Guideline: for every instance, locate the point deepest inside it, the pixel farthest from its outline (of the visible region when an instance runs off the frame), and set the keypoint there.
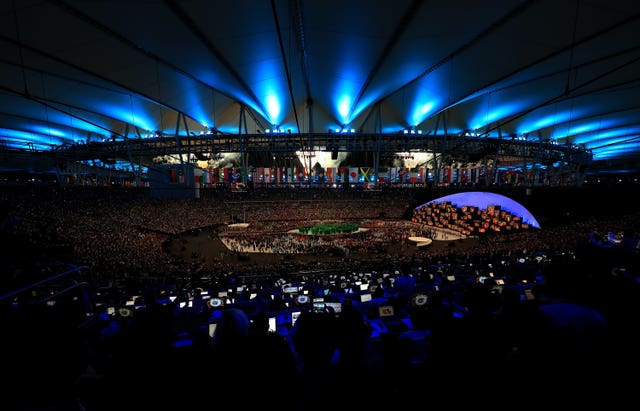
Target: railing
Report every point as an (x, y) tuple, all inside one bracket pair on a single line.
[(50, 290)]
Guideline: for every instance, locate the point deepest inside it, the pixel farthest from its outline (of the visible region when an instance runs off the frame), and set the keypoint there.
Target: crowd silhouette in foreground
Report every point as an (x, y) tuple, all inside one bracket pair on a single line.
[(542, 317)]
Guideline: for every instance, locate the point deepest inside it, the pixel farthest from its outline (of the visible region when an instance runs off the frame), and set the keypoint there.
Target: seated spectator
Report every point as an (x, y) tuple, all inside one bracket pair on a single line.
[(426, 315), (576, 346), (270, 351), (352, 336), (315, 341)]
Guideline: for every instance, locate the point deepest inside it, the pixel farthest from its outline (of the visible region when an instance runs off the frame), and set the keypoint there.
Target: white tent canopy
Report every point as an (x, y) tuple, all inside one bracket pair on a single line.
[(563, 71)]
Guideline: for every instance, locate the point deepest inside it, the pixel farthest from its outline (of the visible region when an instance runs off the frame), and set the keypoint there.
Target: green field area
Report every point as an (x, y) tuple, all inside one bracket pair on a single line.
[(327, 229)]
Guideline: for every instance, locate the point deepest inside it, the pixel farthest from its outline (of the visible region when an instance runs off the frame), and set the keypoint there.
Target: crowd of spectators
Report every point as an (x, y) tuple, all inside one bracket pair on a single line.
[(135, 323)]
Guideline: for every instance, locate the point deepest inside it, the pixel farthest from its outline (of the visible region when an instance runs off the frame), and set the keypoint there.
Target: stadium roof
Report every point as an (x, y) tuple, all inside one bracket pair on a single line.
[(564, 71)]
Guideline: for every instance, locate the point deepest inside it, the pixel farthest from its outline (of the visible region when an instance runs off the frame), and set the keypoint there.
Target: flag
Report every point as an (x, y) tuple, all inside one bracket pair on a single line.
[(235, 174), (331, 172), (393, 174), (341, 173), (210, 177), (301, 172), (446, 175), (403, 174), (383, 174), (353, 174), (464, 175), (414, 175), (364, 173)]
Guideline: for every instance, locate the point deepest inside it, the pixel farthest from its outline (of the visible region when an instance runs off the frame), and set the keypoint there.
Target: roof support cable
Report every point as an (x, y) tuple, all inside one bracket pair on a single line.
[(571, 50), (570, 71), (287, 72), (20, 51)]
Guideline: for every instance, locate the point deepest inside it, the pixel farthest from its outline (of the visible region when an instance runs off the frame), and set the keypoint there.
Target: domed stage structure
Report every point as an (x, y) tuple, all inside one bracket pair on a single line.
[(484, 200)]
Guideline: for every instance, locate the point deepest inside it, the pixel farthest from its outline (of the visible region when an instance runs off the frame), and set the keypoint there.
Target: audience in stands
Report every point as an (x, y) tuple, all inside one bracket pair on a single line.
[(524, 312)]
